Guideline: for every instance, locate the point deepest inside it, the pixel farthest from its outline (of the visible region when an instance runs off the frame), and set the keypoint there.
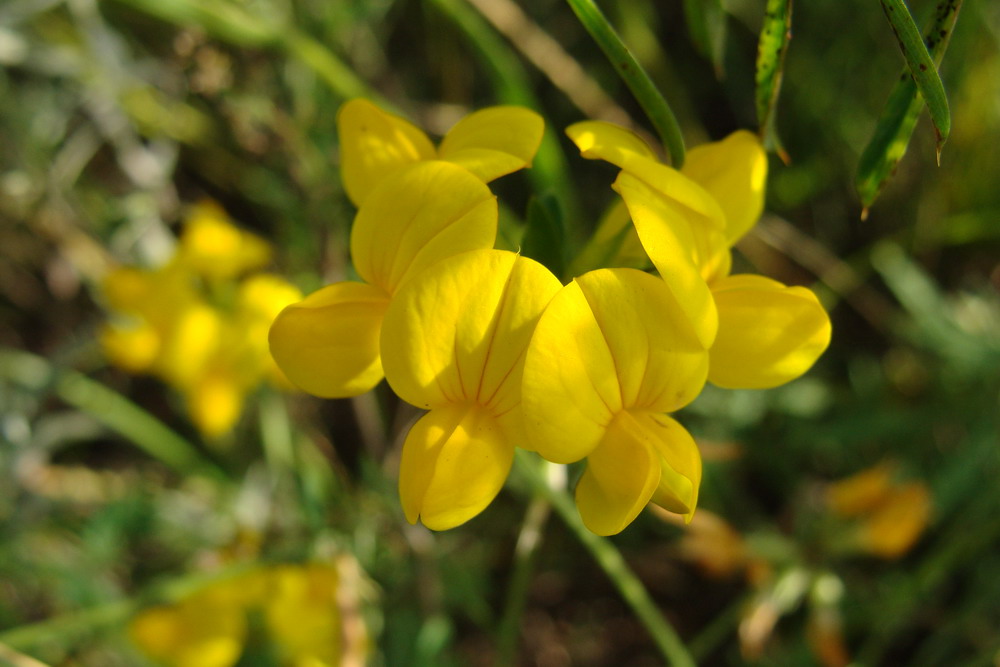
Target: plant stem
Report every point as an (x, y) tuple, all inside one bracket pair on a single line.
[(525, 554), (611, 561), (634, 76)]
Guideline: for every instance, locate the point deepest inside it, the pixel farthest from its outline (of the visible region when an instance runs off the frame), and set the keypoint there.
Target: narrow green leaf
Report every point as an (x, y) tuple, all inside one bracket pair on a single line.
[(706, 21), (922, 67), (895, 127), (775, 34), (109, 408), (634, 76), (544, 236)]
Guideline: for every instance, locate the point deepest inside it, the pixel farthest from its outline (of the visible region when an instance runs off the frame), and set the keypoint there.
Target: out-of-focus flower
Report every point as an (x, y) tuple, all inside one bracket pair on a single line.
[(200, 321), (611, 355), (453, 342), (888, 515), (759, 332), (489, 143), (304, 609), (715, 546), (328, 343)]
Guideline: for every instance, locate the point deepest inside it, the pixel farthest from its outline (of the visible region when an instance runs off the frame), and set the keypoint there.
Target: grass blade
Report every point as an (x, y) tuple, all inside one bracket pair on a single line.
[(895, 127), (922, 67), (771, 48), (634, 76)]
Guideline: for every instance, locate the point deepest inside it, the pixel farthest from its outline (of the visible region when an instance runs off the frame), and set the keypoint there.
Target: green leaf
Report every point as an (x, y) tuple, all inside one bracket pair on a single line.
[(706, 21), (545, 236), (771, 48), (922, 67), (895, 127)]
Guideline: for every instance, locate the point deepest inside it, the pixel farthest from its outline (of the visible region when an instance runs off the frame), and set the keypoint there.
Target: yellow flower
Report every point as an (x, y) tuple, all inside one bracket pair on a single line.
[(196, 322), (214, 248), (205, 630), (612, 353), (328, 343), (489, 143), (304, 610), (889, 516), (453, 342), (759, 332)]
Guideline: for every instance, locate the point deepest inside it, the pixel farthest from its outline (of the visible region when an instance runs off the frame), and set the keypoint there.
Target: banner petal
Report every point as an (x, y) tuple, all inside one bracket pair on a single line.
[(495, 141)]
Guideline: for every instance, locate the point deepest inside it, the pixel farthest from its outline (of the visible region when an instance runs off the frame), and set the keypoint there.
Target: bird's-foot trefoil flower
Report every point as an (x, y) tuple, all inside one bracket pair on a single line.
[(328, 343), (760, 333), (612, 354), (490, 143), (453, 342), (200, 321)]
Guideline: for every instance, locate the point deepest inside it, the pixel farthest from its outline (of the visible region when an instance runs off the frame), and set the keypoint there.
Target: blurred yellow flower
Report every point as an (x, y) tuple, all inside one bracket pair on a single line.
[(303, 610), (759, 333), (888, 515), (200, 322)]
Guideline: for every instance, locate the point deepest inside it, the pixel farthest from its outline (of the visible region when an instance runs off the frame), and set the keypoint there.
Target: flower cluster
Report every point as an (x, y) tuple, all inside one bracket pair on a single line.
[(502, 355), (200, 321), (301, 611)]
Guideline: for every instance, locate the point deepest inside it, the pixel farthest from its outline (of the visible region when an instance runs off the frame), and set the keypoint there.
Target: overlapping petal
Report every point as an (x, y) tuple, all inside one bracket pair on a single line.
[(643, 457), (421, 214), (493, 142), (599, 140), (455, 461), (734, 171), (613, 339), (328, 343), (673, 247), (373, 144), (457, 333), (769, 334)]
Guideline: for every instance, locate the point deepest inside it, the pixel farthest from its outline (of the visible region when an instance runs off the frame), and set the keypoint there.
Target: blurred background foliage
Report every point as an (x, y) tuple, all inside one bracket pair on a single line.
[(116, 115)]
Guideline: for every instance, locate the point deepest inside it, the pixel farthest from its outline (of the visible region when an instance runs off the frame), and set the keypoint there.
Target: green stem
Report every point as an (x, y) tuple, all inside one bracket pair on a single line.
[(634, 76), (611, 561), (110, 409), (525, 554)]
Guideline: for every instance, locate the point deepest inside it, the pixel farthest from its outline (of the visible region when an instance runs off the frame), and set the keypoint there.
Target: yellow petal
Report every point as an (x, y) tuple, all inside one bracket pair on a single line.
[(373, 144), (599, 140), (666, 234), (215, 402), (328, 343), (734, 171), (133, 346), (457, 332), (680, 464), (214, 247), (192, 341), (622, 474), (614, 339), (264, 295), (195, 633), (862, 491), (495, 141), (418, 216), (455, 460), (769, 334), (894, 526)]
